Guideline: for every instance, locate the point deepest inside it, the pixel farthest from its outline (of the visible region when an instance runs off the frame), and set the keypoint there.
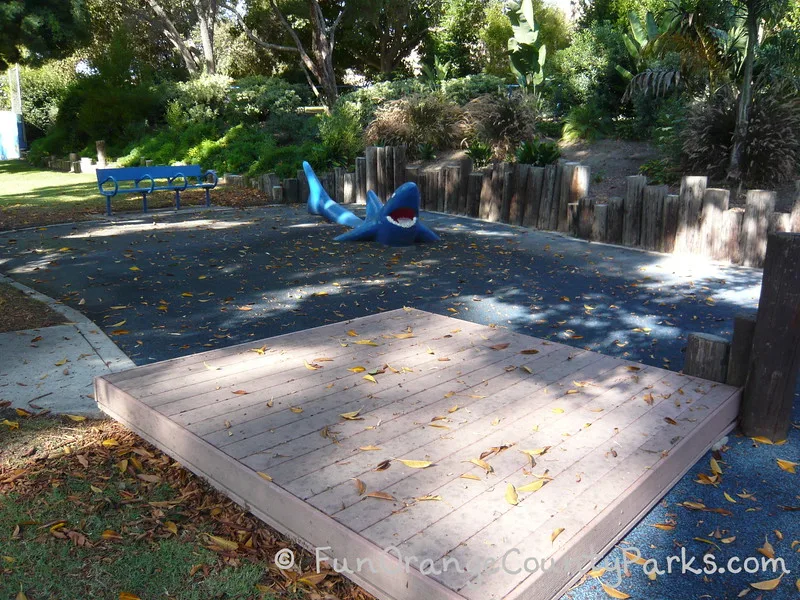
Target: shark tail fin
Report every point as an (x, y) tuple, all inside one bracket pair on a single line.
[(320, 203)]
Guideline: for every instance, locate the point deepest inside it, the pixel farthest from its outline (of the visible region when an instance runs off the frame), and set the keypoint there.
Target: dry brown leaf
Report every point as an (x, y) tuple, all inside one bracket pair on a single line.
[(511, 495), (296, 409), (415, 464), (767, 549), (767, 585), (613, 592), (380, 496), (128, 595), (171, 527), (670, 421), (664, 526), (360, 486), (597, 572), (502, 346), (223, 543), (382, 466), (715, 468), (530, 351)]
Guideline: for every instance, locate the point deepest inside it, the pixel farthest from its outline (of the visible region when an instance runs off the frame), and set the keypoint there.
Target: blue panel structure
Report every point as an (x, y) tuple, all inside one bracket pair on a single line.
[(9, 135)]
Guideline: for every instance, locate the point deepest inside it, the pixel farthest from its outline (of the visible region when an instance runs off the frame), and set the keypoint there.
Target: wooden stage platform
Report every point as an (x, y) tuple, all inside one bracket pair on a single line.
[(330, 414)]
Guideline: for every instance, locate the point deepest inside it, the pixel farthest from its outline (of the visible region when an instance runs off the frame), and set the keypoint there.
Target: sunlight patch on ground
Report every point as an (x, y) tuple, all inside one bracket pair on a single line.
[(140, 226)]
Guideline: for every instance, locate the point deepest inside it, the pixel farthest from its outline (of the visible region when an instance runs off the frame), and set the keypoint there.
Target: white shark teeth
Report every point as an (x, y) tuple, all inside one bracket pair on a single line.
[(402, 222)]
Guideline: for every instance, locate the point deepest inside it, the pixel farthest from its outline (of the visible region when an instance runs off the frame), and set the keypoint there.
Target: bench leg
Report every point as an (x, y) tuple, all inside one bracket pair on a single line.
[(208, 197), (144, 202), (108, 205), (177, 200)]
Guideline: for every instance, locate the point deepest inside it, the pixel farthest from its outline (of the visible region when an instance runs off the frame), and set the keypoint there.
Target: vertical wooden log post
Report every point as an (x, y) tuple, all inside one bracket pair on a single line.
[(715, 203), (399, 166), (564, 195), (653, 216), (509, 189), (728, 248), (495, 205), (533, 197), (753, 240), (380, 172), (548, 196), (412, 175), (780, 222), (466, 171), (277, 194), (371, 154), (691, 204), (517, 209), (291, 190), (585, 217), (670, 217), (361, 180), (486, 194), (474, 194), (338, 183), (632, 221), (579, 188), (744, 326), (615, 220), (100, 146), (452, 189), (707, 357), (303, 190), (349, 188), (770, 387), (572, 219), (441, 189), (599, 222), (796, 208)]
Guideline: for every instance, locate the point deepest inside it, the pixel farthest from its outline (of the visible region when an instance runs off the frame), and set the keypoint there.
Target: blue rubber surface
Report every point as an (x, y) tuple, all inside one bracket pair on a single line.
[(208, 280)]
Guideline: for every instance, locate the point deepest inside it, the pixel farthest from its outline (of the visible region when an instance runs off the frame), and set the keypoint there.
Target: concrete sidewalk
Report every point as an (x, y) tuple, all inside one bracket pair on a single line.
[(54, 368)]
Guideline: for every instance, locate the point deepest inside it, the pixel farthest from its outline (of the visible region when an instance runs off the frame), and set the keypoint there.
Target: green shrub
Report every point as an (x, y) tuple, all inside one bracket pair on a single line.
[(420, 119), (255, 99), (586, 123), (501, 121), (426, 151), (772, 147), (464, 89), (660, 170), (342, 134), (480, 153), (539, 153), (43, 88)]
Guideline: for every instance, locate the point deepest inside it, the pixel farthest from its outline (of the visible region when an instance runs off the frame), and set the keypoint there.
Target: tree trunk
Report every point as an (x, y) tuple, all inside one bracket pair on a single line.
[(207, 16), (175, 38), (745, 97)]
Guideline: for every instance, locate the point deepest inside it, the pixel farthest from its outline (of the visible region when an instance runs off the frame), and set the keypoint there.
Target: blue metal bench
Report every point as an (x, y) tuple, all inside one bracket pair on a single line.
[(146, 180)]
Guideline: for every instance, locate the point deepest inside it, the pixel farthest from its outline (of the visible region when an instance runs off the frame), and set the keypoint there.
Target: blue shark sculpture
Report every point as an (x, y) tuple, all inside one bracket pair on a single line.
[(395, 223)]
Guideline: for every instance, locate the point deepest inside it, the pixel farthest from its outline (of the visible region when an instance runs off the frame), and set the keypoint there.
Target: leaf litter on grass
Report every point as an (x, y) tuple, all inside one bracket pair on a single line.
[(94, 506)]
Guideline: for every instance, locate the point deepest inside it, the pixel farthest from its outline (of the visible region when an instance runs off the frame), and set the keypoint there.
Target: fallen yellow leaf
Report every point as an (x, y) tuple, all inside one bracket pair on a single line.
[(380, 496), (534, 486), (369, 448), (415, 464), (768, 585), (482, 464), (366, 343), (360, 486), (470, 476), (555, 534), (370, 378), (614, 593), (128, 596), (511, 495), (358, 369), (264, 476), (76, 418), (10, 424), (352, 416), (223, 543), (352, 333), (787, 465)]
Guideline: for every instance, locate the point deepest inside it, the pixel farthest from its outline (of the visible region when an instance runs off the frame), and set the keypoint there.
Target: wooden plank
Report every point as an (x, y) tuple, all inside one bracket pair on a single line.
[(753, 240), (632, 219), (533, 197), (269, 502), (361, 180), (496, 199), (691, 204)]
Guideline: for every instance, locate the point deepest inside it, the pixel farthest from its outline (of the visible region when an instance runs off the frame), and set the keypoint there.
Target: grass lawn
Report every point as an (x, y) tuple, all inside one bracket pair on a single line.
[(18, 311), (30, 196), (89, 510)]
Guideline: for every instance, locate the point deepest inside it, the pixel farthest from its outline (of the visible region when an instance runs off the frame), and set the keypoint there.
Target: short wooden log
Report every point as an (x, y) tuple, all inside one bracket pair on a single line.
[(495, 205), (361, 180), (303, 189), (551, 173), (585, 218), (338, 177), (277, 194), (744, 326), (371, 155), (653, 216), (349, 188), (441, 189), (388, 177), (581, 178), (770, 387), (599, 222), (780, 222), (572, 219), (400, 162), (412, 175), (707, 357), (509, 189), (632, 221), (615, 220), (564, 192), (291, 190), (466, 171), (796, 208), (727, 247), (693, 189), (474, 194), (452, 177), (533, 197), (670, 217), (715, 203), (486, 193), (517, 209), (753, 241), (380, 172)]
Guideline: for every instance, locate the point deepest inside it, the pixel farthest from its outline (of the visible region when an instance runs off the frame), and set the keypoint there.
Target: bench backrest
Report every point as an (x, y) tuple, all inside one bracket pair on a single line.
[(136, 173)]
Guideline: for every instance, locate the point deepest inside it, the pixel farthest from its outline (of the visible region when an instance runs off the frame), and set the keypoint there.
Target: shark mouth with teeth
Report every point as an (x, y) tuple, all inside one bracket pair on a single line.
[(402, 217)]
